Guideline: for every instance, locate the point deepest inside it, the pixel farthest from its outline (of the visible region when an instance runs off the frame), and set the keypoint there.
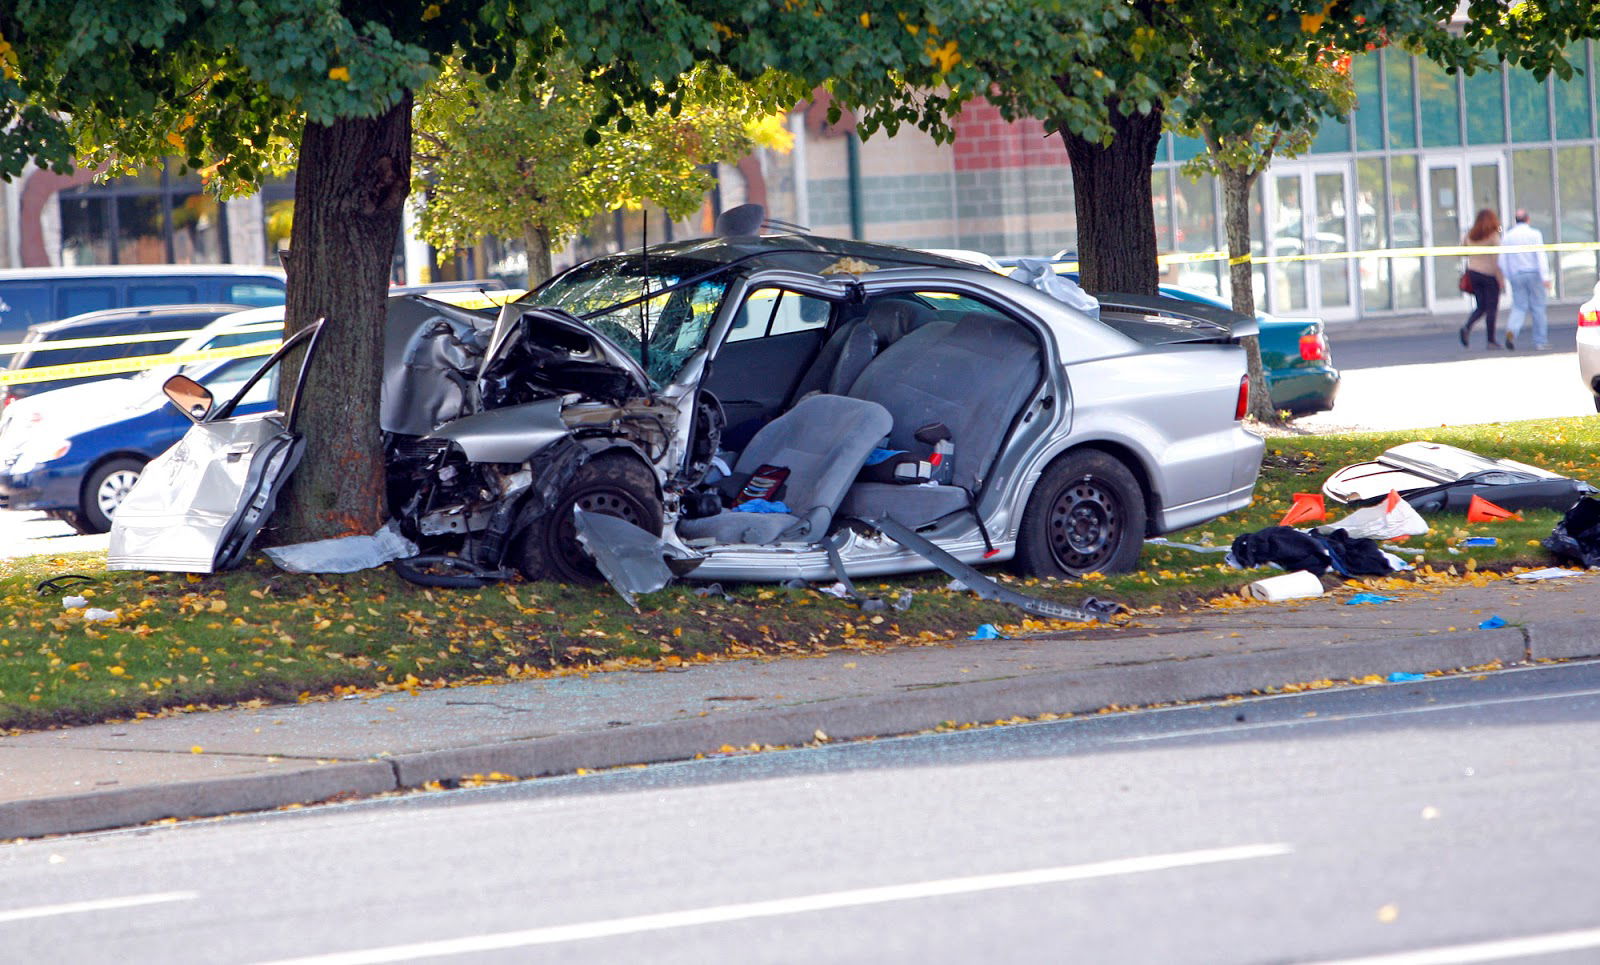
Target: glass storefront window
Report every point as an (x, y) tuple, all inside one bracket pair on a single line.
[(1161, 201), (1397, 96), (84, 233), (1288, 239), (197, 230), (141, 238), (1532, 188), (1368, 114), (1196, 203), (1440, 96), (1333, 134), (1486, 112), (1575, 175), (1333, 234), (1572, 97), (1405, 229), (1372, 227), (1530, 108)]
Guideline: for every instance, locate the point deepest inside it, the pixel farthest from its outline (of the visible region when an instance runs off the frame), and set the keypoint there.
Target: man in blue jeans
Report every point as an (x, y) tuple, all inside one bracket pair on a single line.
[(1527, 273)]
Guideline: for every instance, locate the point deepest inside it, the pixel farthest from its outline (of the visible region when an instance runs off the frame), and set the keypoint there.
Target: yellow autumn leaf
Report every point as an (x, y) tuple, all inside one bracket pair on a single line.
[(175, 140), (430, 12), (339, 73), (945, 58), (116, 671), (866, 20)]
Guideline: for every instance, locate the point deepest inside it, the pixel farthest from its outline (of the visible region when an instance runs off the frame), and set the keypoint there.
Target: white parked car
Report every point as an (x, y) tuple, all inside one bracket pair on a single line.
[(1589, 344)]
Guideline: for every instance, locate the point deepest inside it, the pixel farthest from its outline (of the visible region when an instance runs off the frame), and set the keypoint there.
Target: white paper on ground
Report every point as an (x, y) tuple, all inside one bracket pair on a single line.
[(1548, 573), (1374, 522), (1289, 586), (346, 554)]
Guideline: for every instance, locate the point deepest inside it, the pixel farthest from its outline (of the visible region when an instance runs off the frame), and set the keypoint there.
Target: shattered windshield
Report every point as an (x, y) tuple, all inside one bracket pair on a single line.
[(660, 332)]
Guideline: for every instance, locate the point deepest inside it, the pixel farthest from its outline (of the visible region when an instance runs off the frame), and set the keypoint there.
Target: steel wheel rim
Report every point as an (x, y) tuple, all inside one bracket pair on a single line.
[(1085, 524), (608, 502), (114, 489)]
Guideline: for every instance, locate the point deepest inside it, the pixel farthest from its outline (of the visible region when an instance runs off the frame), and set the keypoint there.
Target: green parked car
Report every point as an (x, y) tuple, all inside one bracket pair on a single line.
[(1294, 351)]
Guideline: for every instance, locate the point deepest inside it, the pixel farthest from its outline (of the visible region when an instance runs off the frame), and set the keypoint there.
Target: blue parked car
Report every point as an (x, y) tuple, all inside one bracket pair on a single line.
[(75, 452)]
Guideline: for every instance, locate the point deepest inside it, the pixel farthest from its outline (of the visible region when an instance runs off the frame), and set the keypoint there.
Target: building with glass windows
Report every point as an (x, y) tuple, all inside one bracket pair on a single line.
[(1421, 153)]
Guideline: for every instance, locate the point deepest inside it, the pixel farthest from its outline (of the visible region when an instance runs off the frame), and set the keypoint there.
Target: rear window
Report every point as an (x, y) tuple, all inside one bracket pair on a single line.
[(254, 293), (77, 299), (23, 305), (162, 295)]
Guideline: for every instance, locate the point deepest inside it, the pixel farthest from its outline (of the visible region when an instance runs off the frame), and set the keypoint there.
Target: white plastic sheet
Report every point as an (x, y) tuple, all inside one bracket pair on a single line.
[(347, 554), (1390, 519)]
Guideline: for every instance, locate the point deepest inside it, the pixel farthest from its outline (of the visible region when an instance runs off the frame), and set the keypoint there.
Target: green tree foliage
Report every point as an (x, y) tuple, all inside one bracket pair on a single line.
[(520, 161), (1321, 85), (239, 88)]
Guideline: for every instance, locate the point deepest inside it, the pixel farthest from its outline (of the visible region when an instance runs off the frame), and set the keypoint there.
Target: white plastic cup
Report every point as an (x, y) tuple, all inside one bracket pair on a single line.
[(1289, 586)]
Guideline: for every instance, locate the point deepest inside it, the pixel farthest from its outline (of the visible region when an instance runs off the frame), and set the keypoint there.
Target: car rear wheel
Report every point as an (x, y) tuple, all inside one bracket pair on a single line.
[(1086, 515), (104, 491), (614, 484)]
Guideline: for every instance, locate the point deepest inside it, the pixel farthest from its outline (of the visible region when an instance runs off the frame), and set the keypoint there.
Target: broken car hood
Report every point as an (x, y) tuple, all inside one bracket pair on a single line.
[(1434, 477)]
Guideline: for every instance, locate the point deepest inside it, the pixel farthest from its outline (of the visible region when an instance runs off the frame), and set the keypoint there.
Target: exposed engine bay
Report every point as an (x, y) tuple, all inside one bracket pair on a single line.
[(488, 422)]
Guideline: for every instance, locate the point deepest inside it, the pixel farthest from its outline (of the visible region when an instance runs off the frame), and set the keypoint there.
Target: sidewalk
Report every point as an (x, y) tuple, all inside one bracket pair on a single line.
[(113, 775)]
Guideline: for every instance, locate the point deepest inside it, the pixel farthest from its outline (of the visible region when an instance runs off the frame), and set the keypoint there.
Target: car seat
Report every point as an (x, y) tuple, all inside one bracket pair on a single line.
[(973, 375), (822, 443)]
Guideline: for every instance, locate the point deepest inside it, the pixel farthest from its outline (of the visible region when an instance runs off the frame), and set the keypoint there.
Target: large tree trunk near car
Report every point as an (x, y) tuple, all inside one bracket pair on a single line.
[(536, 242), (1111, 192), (1236, 184), (350, 188)]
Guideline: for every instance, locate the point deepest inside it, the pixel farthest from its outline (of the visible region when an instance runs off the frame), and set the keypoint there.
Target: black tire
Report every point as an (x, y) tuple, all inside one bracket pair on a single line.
[(72, 518), (1597, 403), (613, 483), (1086, 515), (103, 491)]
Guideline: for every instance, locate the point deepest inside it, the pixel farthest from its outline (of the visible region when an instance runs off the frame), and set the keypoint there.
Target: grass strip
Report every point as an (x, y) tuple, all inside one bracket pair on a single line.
[(257, 635)]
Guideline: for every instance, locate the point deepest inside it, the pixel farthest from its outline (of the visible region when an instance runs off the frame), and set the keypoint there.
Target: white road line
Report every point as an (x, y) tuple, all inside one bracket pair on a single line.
[(789, 906), (1340, 718), (99, 904), (1565, 941)]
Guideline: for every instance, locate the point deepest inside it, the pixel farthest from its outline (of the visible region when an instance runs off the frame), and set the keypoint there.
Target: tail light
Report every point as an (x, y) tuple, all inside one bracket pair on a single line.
[(6, 399), (1589, 318), (1242, 407), (1314, 347)]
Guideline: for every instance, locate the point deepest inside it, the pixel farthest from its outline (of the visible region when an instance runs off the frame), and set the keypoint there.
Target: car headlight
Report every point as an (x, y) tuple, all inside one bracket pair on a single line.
[(35, 453)]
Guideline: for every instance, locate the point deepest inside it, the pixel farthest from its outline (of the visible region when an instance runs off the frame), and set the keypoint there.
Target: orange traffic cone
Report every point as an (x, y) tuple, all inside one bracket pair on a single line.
[(1480, 510), (1307, 507)]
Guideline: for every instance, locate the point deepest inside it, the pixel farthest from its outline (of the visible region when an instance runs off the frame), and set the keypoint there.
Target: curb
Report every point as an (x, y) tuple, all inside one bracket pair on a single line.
[(883, 715)]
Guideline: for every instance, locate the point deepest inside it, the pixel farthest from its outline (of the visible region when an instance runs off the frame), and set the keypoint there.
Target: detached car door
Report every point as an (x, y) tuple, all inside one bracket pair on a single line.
[(197, 507)]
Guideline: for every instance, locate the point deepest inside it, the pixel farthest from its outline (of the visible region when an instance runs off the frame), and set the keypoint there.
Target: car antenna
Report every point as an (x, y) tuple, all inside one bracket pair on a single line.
[(644, 302)]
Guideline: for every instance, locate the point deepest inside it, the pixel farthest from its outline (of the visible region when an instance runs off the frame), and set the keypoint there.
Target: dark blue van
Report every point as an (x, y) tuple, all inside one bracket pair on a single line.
[(33, 296)]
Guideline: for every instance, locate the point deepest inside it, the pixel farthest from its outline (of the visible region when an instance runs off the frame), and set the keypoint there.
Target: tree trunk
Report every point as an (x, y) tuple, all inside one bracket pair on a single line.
[(1111, 191), (1236, 184), (350, 188), (536, 241)]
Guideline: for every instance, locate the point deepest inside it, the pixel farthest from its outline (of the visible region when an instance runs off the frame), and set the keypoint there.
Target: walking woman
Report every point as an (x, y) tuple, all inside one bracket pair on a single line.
[(1483, 271)]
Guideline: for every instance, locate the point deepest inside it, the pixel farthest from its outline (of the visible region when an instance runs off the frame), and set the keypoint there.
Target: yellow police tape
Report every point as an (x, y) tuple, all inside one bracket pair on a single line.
[(178, 336), (1454, 251), (77, 370)]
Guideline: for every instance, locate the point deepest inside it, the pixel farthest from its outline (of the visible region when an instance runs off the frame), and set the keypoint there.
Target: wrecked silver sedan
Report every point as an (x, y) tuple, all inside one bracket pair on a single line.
[(768, 407)]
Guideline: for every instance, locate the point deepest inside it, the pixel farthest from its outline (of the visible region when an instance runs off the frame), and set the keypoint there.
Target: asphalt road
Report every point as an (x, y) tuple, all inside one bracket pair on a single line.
[(1423, 380), (1353, 350), (1327, 826)]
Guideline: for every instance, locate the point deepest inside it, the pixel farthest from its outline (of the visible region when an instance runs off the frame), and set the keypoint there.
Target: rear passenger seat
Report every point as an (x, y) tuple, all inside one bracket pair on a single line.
[(974, 375), (856, 343)]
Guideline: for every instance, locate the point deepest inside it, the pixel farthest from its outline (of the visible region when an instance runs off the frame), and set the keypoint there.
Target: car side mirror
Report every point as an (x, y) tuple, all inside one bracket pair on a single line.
[(192, 399)]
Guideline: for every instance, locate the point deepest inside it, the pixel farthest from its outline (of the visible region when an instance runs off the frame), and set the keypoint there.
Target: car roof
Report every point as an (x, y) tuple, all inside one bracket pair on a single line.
[(794, 251), (123, 314), (137, 271)]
